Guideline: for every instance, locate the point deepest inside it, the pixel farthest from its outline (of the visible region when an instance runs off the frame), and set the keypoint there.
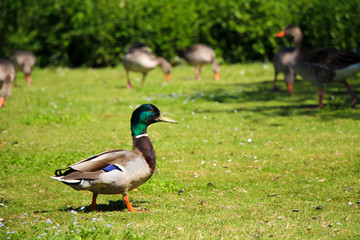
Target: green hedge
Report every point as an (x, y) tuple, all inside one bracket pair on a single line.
[(97, 32)]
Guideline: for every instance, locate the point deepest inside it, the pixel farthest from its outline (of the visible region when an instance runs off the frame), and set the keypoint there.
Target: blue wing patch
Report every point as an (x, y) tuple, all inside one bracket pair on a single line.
[(110, 167)]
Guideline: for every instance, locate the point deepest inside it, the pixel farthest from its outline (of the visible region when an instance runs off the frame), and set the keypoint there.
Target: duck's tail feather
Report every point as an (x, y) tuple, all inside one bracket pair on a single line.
[(67, 181)]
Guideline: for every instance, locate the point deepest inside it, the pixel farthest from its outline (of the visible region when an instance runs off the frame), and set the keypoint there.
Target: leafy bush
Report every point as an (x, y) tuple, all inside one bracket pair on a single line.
[(96, 33)]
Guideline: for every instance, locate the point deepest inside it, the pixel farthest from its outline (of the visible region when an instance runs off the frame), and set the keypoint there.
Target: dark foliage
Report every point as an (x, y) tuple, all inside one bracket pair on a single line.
[(96, 32)]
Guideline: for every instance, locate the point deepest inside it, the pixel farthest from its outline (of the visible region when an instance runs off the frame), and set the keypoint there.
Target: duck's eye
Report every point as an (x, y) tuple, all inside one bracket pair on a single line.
[(151, 110)]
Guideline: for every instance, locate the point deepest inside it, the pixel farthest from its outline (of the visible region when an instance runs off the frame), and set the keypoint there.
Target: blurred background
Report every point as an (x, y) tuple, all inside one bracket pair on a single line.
[(95, 33)]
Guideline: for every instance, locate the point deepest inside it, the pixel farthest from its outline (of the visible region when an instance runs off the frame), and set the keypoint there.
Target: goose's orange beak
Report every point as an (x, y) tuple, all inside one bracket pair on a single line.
[(168, 77), (280, 34), (2, 101), (217, 76)]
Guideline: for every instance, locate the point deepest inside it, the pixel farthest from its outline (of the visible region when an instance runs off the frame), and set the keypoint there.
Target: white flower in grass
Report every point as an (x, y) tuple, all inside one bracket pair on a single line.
[(49, 221)]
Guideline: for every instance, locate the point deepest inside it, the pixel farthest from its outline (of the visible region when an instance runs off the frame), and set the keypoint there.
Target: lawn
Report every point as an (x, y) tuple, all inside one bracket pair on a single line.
[(243, 163)]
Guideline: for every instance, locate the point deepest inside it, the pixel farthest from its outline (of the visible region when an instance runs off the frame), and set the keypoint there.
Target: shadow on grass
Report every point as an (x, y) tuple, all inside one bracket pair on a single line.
[(113, 206), (337, 99)]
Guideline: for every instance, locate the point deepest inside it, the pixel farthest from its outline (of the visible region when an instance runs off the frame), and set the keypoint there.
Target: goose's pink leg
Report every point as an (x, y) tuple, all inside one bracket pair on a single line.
[(352, 94)]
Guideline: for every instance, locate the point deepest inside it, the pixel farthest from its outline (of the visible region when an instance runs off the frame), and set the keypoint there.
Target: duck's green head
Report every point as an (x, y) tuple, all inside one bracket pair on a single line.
[(145, 115)]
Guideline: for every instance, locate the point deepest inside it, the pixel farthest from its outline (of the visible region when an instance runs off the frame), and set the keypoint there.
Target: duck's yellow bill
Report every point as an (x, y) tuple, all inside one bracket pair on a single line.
[(163, 118)]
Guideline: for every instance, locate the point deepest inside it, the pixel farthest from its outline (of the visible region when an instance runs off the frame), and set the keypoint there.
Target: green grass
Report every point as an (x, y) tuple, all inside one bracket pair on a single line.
[(295, 180)]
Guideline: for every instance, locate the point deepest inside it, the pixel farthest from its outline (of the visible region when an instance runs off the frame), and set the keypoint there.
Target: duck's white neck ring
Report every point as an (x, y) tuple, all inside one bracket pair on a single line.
[(141, 135)]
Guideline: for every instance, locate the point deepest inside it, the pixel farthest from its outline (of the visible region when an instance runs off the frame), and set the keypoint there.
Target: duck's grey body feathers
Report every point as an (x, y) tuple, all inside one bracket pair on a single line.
[(130, 170)]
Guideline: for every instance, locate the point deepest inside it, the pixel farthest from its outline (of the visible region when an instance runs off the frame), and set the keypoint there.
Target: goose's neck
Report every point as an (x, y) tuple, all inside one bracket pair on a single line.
[(215, 65), (165, 65), (143, 144), (297, 45), (161, 61)]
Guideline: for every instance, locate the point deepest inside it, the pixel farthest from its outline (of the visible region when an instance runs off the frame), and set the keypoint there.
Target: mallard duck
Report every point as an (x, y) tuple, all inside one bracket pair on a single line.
[(7, 76), (198, 56), (118, 171), (24, 61), (281, 62), (139, 59), (322, 65)]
